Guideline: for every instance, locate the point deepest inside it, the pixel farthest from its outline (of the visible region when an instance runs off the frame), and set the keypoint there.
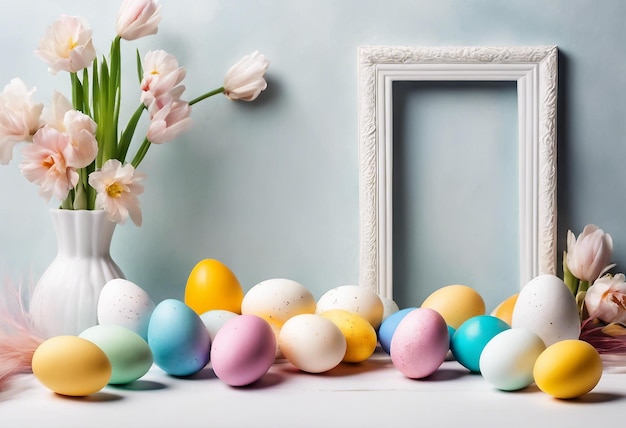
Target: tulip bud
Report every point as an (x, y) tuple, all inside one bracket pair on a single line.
[(245, 80), (589, 255), (138, 18)]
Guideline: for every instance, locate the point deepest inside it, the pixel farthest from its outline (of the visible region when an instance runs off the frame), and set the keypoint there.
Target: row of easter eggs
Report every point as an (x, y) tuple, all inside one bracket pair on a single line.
[(531, 337), (242, 334)]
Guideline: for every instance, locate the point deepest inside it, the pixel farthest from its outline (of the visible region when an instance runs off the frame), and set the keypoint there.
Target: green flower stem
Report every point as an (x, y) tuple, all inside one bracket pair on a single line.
[(80, 198), (207, 95), (143, 150), (141, 153), (569, 279), (67, 204), (583, 286)]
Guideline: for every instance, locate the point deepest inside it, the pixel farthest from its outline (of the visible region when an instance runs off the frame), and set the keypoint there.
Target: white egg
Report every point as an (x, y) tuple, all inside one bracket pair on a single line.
[(124, 303), (277, 300), (214, 320), (312, 343), (390, 307), (507, 361), (546, 307), (353, 298)]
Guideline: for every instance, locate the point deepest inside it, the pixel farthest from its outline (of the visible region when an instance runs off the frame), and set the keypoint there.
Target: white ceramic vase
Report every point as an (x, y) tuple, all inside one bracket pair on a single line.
[(65, 299)]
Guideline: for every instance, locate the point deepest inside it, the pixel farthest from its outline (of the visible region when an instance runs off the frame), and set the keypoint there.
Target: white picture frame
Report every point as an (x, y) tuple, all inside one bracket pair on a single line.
[(533, 68)]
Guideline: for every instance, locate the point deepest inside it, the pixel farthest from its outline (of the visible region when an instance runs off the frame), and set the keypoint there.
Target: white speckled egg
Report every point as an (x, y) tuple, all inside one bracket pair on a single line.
[(124, 303), (353, 298), (276, 300), (546, 307)]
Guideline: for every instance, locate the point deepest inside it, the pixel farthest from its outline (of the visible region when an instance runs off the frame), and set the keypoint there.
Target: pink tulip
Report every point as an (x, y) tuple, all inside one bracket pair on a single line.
[(590, 255), (606, 299), (45, 164), (67, 45), (81, 129), (161, 77), (245, 80), (19, 117), (138, 18), (117, 189), (83, 146), (169, 121)]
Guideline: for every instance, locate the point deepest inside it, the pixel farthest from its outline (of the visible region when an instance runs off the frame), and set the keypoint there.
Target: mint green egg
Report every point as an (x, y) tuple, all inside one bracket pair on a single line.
[(128, 352)]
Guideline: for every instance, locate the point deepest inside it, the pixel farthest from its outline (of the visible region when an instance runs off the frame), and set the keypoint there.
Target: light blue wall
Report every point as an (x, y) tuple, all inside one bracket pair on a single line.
[(271, 188)]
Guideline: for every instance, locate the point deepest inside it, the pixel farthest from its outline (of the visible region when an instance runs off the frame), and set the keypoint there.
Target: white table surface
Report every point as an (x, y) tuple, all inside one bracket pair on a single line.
[(368, 394)]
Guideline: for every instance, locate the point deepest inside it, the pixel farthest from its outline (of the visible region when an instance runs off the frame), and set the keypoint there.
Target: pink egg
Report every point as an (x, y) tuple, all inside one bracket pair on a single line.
[(243, 350), (420, 343)]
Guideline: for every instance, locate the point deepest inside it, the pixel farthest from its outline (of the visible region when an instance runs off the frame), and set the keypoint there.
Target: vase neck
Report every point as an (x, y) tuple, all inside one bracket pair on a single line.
[(82, 233)]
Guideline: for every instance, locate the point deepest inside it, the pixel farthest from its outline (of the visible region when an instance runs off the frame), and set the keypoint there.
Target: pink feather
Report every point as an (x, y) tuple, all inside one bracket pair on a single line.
[(609, 341), (18, 337)]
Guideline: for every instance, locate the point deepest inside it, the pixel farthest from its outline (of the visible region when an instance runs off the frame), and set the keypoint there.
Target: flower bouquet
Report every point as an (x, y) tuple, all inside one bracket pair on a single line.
[(79, 150), (601, 296)]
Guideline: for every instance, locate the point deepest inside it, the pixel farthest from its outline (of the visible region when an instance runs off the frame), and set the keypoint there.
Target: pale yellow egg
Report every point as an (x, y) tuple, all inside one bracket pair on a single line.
[(504, 310), (71, 365), (456, 303), (360, 336)]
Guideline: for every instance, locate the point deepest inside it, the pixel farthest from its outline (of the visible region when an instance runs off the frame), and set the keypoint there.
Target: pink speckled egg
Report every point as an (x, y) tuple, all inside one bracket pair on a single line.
[(420, 343), (243, 350)]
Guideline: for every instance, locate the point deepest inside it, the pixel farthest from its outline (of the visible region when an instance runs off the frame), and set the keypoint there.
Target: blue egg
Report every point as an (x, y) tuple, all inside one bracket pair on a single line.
[(178, 338), (470, 339), (388, 327)]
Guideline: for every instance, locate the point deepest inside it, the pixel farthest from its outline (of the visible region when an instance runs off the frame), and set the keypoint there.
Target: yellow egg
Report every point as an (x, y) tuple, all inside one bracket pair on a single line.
[(212, 285), (504, 310), (456, 304), (568, 369), (71, 365), (360, 336)]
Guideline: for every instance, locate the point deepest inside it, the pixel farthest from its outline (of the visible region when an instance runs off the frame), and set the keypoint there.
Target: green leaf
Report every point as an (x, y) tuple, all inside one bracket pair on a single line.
[(77, 92), (116, 62), (139, 67), (86, 100), (95, 93), (128, 133)]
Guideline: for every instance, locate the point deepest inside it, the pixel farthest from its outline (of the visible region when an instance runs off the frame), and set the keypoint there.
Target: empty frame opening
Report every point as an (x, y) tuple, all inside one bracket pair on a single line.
[(455, 188)]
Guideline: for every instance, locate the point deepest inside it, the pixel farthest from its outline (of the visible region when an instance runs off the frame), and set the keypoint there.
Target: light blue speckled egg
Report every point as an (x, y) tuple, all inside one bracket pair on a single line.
[(178, 338)]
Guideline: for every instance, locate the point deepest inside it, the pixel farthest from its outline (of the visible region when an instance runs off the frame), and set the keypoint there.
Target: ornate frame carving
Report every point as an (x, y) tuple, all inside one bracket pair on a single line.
[(534, 68)]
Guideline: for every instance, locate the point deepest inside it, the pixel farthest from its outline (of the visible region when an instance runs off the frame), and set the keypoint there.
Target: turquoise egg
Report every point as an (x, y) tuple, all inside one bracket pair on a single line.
[(388, 327), (178, 338), (129, 354), (470, 339)]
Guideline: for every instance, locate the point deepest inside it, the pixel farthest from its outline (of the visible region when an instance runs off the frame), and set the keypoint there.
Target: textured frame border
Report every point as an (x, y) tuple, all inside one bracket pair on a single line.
[(534, 68)]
